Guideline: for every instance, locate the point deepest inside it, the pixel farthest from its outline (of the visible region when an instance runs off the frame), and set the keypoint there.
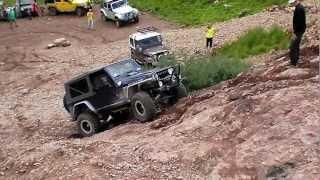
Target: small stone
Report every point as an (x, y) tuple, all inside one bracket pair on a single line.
[(49, 46), (24, 91), (59, 41), (100, 164)]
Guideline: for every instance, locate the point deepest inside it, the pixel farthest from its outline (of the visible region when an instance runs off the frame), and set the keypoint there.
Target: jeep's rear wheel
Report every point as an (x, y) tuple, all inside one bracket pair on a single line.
[(143, 107), (79, 12), (88, 124), (52, 11)]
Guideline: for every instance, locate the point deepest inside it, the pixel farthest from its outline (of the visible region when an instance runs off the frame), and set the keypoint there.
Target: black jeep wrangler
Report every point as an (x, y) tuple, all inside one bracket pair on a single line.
[(119, 89)]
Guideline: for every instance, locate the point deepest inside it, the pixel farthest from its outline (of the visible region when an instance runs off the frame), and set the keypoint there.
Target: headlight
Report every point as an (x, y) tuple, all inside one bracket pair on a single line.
[(160, 83), (119, 83), (170, 71)]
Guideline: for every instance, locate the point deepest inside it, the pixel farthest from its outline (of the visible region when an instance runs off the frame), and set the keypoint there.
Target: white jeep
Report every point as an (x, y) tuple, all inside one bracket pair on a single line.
[(118, 11)]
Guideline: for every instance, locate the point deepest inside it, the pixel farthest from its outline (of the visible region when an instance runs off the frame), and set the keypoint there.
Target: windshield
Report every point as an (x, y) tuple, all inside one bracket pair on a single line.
[(123, 69), (149, 42), (117, 4)]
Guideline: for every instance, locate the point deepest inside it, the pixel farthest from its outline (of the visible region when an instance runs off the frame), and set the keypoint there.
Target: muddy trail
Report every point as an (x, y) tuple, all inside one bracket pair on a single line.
[(262, 124)]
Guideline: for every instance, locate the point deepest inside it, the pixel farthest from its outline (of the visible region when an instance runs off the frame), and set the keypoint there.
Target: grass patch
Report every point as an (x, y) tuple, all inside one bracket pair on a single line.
[(256, 41), (205, 71), (202, 72), (195, 12)]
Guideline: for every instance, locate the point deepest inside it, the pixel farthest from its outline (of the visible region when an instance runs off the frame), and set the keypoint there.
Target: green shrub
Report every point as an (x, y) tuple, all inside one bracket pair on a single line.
[(201, 72), (194, 12)]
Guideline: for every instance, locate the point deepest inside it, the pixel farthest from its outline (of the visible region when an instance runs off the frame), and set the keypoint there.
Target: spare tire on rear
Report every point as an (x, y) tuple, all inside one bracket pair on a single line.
[(143, 107)]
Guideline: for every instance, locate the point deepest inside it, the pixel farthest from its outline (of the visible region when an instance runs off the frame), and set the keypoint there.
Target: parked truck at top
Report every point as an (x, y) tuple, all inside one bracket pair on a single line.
[(119, 89), (118, 11), (27, 8), (80, 7)]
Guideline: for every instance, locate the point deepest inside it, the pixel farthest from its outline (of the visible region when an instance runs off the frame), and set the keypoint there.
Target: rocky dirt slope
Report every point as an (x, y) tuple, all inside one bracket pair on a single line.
[(263, 123)]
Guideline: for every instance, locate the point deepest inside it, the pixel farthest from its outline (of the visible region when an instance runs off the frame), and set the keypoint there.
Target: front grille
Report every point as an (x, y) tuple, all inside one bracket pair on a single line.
[(163, 74)]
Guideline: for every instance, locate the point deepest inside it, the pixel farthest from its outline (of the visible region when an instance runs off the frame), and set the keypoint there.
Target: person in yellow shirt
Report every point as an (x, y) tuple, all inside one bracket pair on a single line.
[(209, 35), (90, 19)]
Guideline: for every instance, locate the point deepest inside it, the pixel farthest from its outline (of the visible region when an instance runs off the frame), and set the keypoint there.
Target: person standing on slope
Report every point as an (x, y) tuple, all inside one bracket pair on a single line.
[(299, 27), (209, 36)]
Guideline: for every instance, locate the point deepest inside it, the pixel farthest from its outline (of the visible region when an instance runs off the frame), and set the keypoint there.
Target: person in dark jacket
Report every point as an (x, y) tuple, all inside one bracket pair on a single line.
[(299, 27)]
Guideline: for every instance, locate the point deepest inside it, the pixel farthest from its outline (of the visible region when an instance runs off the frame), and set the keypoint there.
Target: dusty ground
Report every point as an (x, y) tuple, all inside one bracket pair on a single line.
[(262, 124)]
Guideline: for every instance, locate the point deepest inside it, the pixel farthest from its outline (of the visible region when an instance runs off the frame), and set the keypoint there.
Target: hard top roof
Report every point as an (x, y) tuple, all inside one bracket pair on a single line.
[(139, 35), (111, 1), (84, 75)]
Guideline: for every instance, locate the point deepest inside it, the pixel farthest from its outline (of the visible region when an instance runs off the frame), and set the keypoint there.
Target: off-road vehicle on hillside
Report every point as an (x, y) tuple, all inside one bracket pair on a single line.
[(118, 11), (80, 7), (146, 46), (116, 90)]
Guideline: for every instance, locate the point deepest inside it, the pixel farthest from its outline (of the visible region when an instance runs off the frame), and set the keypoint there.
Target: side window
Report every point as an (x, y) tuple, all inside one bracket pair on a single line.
[(58, 0), (79, 88), (109, 6), (105, 5), (100, 80)]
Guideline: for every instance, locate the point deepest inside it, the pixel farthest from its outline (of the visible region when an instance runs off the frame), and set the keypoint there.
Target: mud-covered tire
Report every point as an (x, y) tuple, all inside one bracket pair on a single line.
[(80, 11), (53, 11), (181, 91), (88, 124), (143, 107)]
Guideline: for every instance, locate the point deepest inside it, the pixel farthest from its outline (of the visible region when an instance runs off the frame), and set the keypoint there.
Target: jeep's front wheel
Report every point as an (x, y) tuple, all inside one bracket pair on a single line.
[(88, 124), (143, 107)]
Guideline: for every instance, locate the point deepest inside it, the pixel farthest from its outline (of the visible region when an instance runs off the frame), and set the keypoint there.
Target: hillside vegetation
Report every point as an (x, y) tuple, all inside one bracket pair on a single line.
[(204, 71), (194, 12)]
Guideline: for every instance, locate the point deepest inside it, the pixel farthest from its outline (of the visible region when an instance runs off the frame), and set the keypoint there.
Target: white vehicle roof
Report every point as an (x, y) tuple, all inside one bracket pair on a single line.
[(139, 36)]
